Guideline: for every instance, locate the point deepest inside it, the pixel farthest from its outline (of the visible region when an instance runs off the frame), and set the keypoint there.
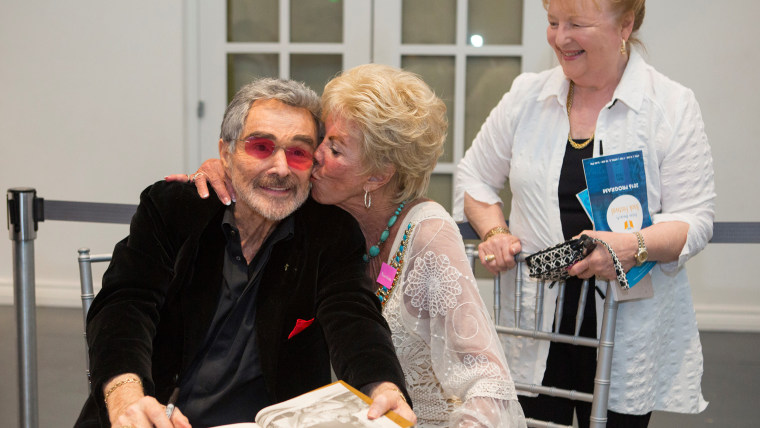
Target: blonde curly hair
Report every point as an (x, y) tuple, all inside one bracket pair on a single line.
[(400, 121)]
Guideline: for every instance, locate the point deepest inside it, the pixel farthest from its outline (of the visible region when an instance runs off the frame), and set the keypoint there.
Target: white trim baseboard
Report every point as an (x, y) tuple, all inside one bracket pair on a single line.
[(47, 293), (734, 318), (728, 318)]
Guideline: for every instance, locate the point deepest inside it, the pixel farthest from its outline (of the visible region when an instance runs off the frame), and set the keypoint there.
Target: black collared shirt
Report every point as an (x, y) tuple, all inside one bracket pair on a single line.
[(225, 383)]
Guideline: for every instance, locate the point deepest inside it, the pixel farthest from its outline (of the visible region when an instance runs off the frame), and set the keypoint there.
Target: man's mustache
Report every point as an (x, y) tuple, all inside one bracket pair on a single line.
[(275, 182)]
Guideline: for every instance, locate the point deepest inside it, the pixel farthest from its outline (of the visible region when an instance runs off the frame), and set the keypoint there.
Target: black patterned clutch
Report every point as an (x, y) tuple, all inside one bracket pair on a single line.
[(551, 263)]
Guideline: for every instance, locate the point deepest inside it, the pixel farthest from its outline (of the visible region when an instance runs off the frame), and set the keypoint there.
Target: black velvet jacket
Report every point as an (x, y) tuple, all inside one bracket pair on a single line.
[(161, 290)]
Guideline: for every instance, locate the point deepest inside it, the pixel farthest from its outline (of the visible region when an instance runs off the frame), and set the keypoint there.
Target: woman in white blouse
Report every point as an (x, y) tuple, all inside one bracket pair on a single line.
[(384, 132), (602, 99)]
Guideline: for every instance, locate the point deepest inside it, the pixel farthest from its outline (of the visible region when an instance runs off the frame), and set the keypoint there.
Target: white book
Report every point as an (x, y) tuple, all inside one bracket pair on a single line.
[(337, 405)]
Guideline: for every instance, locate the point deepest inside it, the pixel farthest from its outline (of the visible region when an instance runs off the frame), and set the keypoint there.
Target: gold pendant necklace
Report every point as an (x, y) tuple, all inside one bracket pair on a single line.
[(573, 144)]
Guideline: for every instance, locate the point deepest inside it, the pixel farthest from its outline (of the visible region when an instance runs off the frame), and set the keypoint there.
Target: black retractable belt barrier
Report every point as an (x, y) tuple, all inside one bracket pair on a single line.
[(25, 211), (22, 227)]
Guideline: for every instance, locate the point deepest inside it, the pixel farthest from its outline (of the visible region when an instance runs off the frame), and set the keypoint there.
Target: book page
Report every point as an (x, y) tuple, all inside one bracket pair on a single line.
[(240, 425), (334, 406)]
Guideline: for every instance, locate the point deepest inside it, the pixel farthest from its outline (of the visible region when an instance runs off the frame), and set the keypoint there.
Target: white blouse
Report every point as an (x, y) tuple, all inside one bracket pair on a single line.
[(657, 363), (455, 369)]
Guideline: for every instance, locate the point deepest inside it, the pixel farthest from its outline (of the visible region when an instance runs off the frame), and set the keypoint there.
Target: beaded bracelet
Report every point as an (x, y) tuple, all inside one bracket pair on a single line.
[(120, 383), (495, 231)]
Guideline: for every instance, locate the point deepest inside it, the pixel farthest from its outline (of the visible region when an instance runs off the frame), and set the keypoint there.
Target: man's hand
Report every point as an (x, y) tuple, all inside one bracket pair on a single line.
[(146, 412), (387, 396), (128, 406)]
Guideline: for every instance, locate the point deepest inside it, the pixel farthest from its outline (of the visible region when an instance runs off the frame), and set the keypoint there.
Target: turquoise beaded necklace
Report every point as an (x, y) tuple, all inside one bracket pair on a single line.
[(397, 262), (375, 249)]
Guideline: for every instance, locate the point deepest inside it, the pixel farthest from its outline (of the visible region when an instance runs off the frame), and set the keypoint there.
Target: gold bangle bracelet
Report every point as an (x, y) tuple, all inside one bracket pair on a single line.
[(495, 231), (120, 383)]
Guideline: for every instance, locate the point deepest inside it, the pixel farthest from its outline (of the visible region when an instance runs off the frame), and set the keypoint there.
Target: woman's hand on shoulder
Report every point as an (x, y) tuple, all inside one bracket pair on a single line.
[(599, 262), (497, 253), (211, 171)]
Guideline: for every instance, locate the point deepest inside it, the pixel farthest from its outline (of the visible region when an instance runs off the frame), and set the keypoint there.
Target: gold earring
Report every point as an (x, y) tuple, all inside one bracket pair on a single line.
[(623, 50)]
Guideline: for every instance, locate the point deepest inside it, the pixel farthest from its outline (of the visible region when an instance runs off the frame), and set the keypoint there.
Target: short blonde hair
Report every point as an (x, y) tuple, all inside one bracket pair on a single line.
[(621, 7), (399, 119)]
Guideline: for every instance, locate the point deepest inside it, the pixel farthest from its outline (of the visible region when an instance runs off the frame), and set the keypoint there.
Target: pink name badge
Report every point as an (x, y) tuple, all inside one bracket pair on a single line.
[(386, 276)]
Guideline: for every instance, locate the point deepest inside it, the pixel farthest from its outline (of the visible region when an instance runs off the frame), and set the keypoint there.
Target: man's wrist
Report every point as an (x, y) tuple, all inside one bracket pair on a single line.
[(120, 382)]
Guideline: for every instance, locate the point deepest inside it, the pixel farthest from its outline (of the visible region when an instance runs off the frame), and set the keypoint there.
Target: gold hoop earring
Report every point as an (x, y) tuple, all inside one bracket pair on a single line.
[(623, 50), (367, 199)]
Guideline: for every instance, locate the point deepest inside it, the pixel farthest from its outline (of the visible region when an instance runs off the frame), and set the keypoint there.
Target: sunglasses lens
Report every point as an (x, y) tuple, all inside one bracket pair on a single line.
[(261, 148), (299, 158)]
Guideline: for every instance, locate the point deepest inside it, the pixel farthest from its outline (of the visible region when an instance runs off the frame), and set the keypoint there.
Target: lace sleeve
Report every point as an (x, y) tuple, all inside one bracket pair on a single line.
[(442, 305)]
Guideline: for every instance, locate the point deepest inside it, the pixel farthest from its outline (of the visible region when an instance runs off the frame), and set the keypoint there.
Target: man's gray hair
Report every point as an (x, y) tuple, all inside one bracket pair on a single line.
[(289, 92)]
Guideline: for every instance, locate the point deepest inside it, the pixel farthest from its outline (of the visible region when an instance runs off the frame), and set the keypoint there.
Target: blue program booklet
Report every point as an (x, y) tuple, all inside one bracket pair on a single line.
[(616, 198)]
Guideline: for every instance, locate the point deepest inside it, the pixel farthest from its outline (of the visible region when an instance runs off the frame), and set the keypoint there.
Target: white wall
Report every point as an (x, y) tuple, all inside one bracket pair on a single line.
[(710, 46), (91, 109), (92, 101)]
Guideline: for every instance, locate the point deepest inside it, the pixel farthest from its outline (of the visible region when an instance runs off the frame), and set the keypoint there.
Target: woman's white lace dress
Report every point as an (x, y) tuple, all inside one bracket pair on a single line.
[(455, 368)]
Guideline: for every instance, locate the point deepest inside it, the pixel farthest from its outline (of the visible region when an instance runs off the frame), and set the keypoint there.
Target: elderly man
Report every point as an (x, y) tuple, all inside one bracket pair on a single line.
[(241, 306)]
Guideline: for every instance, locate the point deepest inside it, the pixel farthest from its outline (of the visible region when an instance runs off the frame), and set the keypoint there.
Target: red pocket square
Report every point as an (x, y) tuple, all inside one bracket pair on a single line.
[(300, 326)]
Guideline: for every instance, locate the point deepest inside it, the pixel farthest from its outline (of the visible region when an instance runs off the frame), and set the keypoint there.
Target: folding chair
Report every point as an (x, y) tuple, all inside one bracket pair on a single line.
[(604, 344), (85, 260)]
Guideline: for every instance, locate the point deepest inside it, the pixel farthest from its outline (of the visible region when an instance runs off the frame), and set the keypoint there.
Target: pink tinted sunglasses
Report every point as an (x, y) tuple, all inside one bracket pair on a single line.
[(297, 157)]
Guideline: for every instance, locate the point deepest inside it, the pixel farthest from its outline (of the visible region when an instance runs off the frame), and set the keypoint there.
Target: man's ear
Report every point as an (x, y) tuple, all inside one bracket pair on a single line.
[(224, 153), (379, 178)]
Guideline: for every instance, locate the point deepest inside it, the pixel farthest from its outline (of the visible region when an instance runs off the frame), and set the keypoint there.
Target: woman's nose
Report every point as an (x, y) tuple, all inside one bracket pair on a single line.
[(560, 35)]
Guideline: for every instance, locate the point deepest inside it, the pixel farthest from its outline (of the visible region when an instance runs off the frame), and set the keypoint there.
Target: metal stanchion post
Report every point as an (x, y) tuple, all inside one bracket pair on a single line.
[(22, 226)]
